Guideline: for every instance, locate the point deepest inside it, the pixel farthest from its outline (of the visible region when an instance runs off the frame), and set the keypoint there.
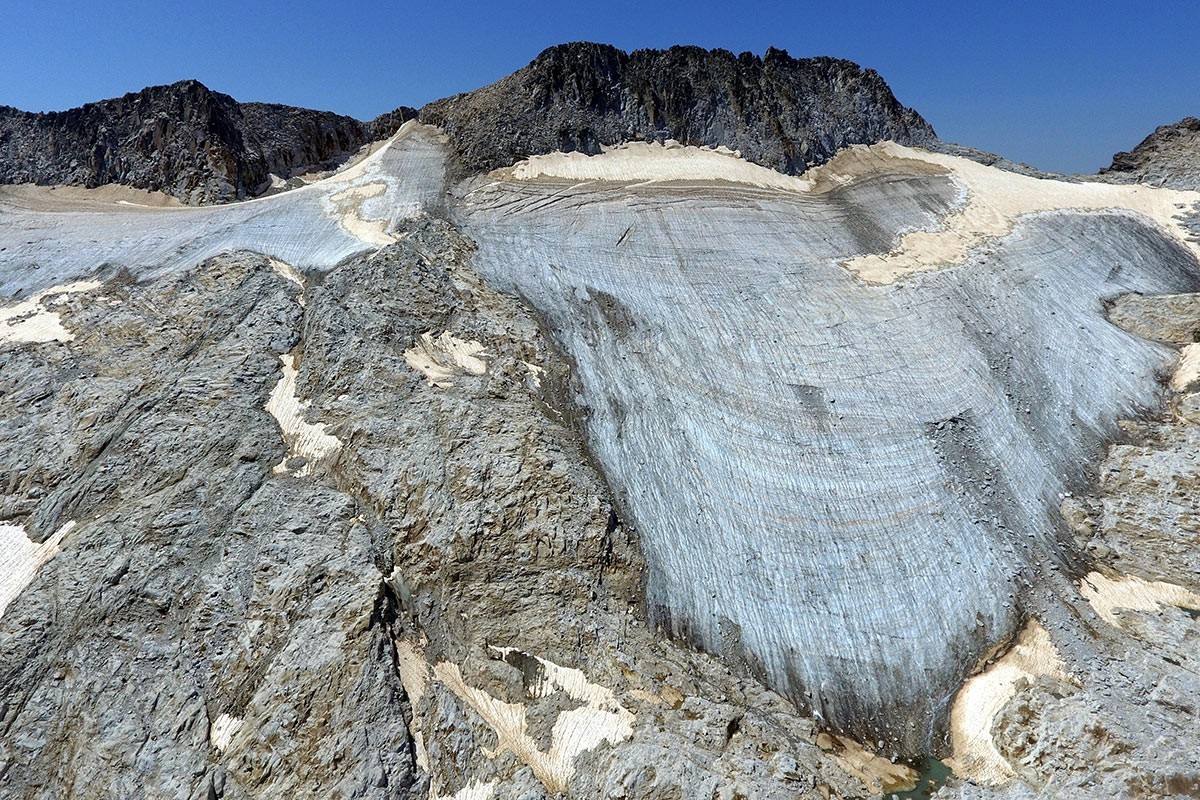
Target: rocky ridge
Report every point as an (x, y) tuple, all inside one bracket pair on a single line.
[(183, 139), (781, 112), (1170, 156), (205, 147)]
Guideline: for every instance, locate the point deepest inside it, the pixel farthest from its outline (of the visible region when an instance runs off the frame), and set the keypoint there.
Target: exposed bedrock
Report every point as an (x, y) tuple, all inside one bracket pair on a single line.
[(183, 139), (1170, 156), (782, 112), (851, 488)]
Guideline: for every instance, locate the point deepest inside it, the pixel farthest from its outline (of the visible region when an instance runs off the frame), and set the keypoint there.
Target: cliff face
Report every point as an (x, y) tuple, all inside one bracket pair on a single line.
[(781, 112), (183, 139), (1168, 157)]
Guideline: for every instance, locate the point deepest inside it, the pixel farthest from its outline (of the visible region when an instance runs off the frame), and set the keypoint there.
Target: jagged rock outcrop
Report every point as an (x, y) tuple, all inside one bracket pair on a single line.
[(183, 139), (782, 112), (386, 124), (1168, 157), (205, 147)]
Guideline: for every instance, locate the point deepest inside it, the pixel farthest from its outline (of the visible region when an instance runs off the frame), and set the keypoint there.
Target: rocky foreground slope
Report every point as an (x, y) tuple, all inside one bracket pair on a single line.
[(650, 474)]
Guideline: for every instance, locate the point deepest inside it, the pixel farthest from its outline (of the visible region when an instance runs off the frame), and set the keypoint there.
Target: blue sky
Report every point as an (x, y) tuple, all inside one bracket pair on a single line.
[(1061, 85)]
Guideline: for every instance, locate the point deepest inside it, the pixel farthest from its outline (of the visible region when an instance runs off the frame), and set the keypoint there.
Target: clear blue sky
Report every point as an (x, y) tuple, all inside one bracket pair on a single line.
[(1061, 85)]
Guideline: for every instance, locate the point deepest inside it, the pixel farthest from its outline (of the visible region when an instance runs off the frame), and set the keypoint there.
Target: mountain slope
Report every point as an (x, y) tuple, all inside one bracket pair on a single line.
[(780, 112), (183, 139), (1168, 157)]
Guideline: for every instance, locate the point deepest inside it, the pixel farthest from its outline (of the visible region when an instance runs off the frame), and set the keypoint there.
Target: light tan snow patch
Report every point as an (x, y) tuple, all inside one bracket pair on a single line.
[(996, 199), (442, 357), (77, 198), (475, 790), (414, 672), (984, 696), (35, 320), (20, 559), (222, 731), (1107, 595), (534, 374), (600, 719), (1188, 371), (347, 206), (305, 439), (289, 273), (652, 162)]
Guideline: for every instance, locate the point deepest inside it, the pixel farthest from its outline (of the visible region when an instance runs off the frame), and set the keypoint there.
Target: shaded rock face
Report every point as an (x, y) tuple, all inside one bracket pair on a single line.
[(183, 139), (386, 125), (781, 112), (1168, 157)]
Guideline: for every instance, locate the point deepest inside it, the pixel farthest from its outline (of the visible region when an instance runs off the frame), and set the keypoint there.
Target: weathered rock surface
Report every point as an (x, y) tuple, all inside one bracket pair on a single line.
[(183, 139), (1168, 157), (782, 112), (1124, 726)]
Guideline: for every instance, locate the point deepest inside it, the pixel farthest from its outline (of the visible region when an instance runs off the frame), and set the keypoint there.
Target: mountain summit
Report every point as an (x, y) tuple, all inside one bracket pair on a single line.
[(183, 139), (781, 112)]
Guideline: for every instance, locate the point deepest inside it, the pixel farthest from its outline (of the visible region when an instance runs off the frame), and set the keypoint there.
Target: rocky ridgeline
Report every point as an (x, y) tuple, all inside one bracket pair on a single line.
[(183, 139), (205, 147), (1168, 157), (781, 112)]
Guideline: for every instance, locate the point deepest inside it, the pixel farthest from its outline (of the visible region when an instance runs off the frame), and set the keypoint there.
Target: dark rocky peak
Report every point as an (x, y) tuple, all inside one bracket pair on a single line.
[(385, 125), (1168, 157), (782, 112), (183, 139)]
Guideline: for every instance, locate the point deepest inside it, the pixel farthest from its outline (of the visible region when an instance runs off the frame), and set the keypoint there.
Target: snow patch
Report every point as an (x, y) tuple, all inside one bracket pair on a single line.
[(535, 374), (652, 162), (878, 774), (984, 696), (1106, 595), (21, 558), (475, 790), (304, 439), (995, 199), (441, 358), (222, 731), (287, 272), (348, 206), (1188, 371), (35, 320), (599, 719)]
